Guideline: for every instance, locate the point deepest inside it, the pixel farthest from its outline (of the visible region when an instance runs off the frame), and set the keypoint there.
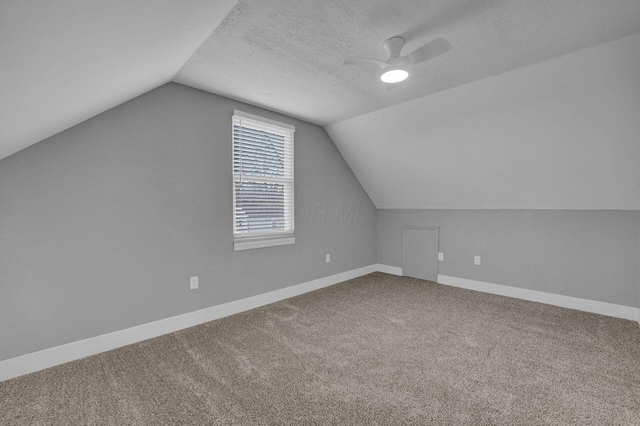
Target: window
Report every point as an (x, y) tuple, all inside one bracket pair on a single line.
[(263, 206)]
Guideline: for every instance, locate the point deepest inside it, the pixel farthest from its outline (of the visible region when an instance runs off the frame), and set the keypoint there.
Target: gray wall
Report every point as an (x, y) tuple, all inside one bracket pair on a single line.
[(588, 254), (102, 225)]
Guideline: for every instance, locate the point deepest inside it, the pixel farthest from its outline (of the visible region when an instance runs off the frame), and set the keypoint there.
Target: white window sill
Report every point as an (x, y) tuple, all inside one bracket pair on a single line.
[(254, 243)]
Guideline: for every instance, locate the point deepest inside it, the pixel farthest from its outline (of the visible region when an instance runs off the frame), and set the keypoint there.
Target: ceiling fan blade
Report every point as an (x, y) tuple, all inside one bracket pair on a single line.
[(430, 50), (353, 60)]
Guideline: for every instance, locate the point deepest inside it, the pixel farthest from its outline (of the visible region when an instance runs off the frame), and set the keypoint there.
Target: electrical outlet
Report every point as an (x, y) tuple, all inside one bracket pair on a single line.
[(440, 256), (477, 260), (327, 258), (193, 283)]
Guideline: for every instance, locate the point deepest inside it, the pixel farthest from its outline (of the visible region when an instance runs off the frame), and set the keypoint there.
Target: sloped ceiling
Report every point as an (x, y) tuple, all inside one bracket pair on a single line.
[(63, 61), (287, 55), (561, 134), (462, 132)]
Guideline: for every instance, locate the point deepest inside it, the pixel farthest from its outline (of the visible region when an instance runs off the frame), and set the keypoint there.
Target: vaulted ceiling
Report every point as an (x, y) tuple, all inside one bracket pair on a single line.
[(287, 55), (561, 134), (65, 61)]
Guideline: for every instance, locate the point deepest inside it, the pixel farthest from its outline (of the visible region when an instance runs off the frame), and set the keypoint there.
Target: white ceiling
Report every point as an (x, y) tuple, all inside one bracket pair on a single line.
[(558, 134), (561, 134), (63, 61), (286, 55)]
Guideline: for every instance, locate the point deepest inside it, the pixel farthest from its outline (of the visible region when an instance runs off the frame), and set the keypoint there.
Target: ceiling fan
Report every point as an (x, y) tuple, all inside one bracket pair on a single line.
[(396, 68)]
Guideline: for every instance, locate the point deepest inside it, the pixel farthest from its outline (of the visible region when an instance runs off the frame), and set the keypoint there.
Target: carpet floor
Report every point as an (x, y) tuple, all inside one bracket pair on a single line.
[(378, 349)]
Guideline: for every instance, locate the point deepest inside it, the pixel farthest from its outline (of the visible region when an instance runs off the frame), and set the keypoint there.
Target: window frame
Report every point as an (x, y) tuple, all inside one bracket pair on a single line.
[(252, 240)]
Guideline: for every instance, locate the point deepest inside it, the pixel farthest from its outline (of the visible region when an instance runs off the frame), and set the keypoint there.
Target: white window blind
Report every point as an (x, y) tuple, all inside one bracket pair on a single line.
[(263, 205)]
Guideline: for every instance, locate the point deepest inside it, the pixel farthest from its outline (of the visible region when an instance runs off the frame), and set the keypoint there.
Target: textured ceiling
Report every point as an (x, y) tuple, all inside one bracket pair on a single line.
[(561, 134), (287, 55), (63, 61)]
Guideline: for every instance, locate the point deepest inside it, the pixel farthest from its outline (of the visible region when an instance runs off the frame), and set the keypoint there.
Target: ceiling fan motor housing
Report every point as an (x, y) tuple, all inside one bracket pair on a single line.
[(399, 62), (394, 46)]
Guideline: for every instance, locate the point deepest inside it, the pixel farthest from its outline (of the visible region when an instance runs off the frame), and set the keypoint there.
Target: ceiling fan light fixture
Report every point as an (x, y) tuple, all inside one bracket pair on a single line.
[(396, 68), (394, 75)]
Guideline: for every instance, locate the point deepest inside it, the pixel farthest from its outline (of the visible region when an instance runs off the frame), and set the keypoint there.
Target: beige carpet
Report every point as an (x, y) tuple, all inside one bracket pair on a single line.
[(374, 350)]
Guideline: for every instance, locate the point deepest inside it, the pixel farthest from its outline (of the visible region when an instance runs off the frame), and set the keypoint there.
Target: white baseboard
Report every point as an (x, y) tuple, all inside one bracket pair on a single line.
[(387, 269), (593, 306), (46, 358)]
